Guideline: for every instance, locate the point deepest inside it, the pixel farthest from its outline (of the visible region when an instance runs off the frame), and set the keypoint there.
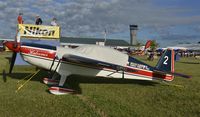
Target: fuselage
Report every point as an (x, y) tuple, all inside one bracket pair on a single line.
[(38, 55), (43, 56)]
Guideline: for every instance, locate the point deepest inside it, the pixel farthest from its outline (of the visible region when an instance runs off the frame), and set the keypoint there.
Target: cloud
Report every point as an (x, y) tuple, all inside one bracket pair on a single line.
[(91, 17)]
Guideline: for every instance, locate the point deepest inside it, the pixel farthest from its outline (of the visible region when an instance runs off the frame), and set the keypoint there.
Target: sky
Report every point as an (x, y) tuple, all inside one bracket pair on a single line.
[(169, 22)]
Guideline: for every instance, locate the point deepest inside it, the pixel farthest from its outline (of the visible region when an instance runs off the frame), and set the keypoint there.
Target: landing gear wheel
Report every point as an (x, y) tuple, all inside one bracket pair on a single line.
[(50, 81), (61, 91)]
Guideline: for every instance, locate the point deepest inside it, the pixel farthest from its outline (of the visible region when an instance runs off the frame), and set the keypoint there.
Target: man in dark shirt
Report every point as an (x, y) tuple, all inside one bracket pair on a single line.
[(38, 20)]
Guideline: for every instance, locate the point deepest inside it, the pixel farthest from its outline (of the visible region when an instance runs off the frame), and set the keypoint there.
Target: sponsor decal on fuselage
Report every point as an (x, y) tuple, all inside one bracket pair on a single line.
[(38, 52)]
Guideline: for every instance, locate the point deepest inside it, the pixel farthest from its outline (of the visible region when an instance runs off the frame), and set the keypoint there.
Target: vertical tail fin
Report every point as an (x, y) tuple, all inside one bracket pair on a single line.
[(166, 65), (166, 62)]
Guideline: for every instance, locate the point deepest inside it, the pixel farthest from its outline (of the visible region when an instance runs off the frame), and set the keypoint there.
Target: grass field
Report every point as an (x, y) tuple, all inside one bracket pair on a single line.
[(102, 97)]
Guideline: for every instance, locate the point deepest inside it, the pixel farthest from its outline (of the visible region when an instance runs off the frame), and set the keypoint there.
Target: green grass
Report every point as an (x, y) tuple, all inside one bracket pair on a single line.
[(103, 97)]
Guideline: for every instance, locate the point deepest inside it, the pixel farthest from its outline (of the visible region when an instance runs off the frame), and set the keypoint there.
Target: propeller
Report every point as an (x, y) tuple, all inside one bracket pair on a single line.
[(15, 47), (12, 61)]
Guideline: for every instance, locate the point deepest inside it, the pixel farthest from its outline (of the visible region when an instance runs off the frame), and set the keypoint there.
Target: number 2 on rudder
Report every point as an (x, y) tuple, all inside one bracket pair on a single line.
[(166, 59)]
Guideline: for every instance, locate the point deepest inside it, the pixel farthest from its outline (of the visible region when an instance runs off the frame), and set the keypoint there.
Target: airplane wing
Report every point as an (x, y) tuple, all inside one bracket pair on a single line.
[(83, 60)]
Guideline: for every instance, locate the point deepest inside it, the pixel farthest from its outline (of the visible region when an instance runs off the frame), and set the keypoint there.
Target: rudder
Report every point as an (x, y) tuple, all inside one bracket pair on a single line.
[(166, 62)]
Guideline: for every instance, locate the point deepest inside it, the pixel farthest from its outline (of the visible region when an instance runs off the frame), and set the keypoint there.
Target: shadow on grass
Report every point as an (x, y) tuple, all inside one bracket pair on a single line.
[(190, 62), (20, 75), (74, 81), (8, 59)]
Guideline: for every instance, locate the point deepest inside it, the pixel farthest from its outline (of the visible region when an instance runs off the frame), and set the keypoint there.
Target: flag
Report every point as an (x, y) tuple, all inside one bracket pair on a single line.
[(148, 44)]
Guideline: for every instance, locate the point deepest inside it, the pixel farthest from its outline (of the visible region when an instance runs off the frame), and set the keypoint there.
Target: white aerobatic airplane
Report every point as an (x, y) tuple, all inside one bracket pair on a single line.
[(90, 60)]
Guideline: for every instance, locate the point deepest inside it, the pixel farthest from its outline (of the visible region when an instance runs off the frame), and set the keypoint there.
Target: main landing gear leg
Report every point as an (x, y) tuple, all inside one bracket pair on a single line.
[(62, 80), (60, 90)]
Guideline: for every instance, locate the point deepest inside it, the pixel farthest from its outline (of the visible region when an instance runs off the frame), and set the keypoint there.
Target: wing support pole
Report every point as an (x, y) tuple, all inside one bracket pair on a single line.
[(50, 75), (52, 63), (56, 68)]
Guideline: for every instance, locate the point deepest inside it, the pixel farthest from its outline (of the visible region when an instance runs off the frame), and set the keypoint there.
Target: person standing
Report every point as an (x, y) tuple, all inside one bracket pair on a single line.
[(38, 20), (20, 19), (54, 22)]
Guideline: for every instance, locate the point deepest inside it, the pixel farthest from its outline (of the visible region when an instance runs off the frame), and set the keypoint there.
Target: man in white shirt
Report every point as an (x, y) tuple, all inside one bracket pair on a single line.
[(53, 22)]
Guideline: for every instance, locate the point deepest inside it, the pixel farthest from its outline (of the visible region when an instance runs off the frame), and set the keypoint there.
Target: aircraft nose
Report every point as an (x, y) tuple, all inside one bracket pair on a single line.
[(12, 45)]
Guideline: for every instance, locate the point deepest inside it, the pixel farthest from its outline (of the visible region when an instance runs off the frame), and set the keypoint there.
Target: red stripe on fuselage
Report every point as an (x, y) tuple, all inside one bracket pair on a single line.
[(38, 52), (145, 73), (148, 73)]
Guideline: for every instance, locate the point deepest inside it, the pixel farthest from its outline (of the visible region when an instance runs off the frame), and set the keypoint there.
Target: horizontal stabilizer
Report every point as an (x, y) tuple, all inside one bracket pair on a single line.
[(173, 73)]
